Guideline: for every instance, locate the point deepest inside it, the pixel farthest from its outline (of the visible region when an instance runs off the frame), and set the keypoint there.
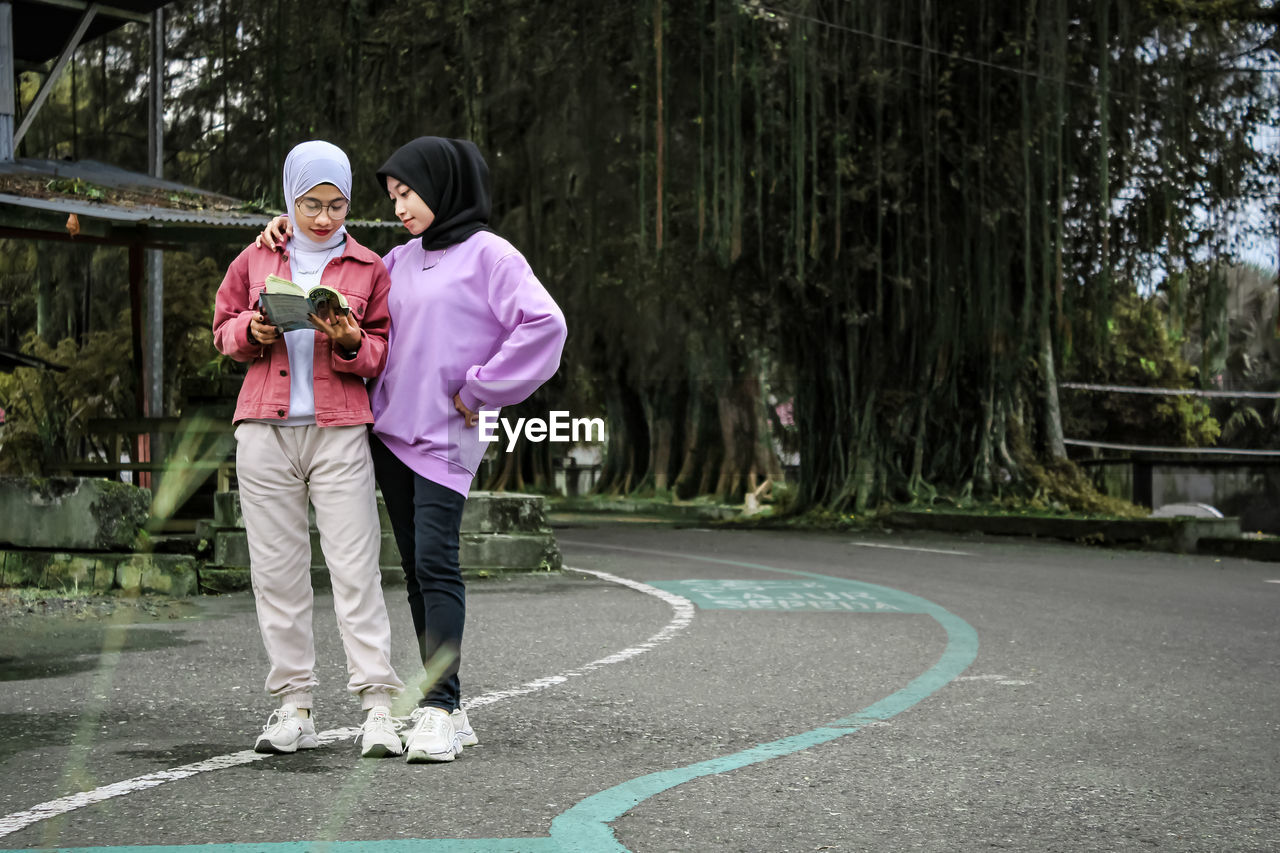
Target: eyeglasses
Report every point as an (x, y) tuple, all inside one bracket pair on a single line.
[(311, 207)]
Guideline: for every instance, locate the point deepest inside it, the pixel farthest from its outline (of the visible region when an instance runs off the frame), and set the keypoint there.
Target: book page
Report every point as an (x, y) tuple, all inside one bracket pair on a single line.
[(276, 284)]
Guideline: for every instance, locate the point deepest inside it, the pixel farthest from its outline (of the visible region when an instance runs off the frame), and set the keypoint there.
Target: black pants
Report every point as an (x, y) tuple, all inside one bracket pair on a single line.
[(425, 517)]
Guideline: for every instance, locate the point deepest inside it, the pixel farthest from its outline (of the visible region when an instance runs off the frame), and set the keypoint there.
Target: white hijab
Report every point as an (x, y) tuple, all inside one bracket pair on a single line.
[(308, 165)]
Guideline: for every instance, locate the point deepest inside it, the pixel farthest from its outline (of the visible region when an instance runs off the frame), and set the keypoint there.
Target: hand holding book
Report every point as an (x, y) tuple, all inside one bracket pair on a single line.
[(342, 329), (289, 307)]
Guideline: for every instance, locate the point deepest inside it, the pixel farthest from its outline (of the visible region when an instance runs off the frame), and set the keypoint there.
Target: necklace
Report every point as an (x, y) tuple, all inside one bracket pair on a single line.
[(319, 266), (426, 266)]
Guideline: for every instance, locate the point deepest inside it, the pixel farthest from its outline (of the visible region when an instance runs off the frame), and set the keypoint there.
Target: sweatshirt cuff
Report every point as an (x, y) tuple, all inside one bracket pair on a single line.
[(470, 400)]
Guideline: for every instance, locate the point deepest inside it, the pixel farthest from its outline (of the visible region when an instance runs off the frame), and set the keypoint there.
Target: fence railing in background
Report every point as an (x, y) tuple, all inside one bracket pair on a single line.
[(1143, 459)]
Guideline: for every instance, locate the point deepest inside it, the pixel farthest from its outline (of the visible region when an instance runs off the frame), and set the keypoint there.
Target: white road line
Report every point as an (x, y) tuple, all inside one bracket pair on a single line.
[(1002, 680), (909, 548), (62, 805), (1277, 580), (684, 611), (683, 615)]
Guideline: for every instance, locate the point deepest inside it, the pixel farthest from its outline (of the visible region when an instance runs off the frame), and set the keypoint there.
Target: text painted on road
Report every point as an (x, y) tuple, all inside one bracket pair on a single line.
[(832, 596)]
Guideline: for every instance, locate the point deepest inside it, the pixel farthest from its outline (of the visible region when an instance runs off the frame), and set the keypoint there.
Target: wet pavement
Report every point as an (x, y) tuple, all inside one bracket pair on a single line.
[(690, 689)]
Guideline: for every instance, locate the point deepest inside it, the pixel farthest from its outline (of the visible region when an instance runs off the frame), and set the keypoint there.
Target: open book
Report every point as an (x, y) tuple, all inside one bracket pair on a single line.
[(286, 305)]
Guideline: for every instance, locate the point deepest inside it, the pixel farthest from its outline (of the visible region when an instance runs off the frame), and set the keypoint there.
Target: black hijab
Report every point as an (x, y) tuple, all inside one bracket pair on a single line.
[(451, 176)]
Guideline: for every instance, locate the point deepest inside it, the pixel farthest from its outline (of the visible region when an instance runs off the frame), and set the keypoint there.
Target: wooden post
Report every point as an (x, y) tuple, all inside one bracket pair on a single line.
[(1143, 483), (7, 107), (141, 450)]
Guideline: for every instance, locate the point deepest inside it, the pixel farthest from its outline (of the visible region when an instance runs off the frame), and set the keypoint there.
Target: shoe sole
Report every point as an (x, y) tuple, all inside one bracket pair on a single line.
[(269, 748), (266, 747), (379, 750), (418, 757)]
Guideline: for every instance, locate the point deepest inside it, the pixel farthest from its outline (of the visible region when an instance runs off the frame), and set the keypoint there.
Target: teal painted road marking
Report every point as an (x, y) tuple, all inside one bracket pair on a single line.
[(584, 828), (402, 845), (833, 595)]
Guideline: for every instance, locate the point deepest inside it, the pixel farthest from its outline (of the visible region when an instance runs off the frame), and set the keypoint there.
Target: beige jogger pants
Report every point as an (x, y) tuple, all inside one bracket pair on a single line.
[(278, 469)]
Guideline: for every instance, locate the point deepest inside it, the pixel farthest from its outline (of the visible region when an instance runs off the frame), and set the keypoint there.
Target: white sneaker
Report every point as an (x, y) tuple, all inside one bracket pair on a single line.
[(432, 737), (380, 735), (462, 726), (285, 732)]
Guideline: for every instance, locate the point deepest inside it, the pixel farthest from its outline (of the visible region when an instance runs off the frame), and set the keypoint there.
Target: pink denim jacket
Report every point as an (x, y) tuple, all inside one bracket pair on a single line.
[(337, 382)]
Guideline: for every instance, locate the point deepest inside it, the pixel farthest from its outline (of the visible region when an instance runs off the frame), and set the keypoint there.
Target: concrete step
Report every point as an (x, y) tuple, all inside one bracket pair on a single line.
[(500, 532), (113, 572), (504, 512), (476, 552), (507, 552), (231, 550), (484, 512)]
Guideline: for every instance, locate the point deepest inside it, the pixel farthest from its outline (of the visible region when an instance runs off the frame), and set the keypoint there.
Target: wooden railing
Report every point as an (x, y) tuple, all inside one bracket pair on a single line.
[(194, 447)]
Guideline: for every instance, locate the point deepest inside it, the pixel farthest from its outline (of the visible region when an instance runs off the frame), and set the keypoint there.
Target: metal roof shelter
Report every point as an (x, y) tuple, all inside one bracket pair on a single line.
[(116, 206), (47, 25), (46, 29), (95, 203), (89, 202), (30, 32), (142, 212)]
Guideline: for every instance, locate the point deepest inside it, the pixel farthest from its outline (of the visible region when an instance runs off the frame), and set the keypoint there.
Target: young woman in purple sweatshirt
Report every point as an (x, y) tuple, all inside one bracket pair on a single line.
[(472, 328)]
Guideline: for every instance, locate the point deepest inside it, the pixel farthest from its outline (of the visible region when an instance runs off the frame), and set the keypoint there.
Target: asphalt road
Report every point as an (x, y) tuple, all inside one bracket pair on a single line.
[(693, 690)]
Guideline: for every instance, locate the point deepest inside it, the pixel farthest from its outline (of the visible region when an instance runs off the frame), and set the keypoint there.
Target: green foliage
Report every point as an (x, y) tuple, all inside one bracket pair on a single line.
[(1064, 488), (1240, 332), (191, 284), (76, 186), (47, 411), (1140, 354)]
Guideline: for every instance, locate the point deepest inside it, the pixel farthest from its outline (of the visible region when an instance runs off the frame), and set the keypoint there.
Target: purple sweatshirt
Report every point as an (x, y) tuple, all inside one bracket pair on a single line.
[(470, 319)]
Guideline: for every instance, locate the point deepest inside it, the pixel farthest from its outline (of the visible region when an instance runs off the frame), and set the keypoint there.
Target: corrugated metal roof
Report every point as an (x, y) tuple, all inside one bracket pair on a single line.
[(42, 185), (142, 214), (100, 174)]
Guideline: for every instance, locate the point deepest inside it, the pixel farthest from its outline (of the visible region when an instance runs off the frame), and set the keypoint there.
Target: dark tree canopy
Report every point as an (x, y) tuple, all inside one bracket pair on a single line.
[(910, 219)]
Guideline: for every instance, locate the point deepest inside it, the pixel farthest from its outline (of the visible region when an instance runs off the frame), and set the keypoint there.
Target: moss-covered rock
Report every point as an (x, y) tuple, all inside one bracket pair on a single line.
[(71, 513)]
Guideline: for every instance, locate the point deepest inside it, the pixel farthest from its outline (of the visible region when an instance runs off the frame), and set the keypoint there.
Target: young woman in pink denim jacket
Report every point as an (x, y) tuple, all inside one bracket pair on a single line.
[(302, 436)]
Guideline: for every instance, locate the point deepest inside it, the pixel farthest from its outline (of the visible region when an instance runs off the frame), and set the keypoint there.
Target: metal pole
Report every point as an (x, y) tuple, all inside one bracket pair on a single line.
[(7, 79), (155, 136), (155, 258)]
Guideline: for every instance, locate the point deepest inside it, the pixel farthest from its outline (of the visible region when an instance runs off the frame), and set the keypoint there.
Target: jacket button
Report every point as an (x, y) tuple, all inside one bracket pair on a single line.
[(280, 412), (284, 373)]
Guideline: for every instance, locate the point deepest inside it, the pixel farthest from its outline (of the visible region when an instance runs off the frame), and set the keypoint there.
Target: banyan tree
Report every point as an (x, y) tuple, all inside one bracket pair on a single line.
[(912, 217), (870, 235)]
